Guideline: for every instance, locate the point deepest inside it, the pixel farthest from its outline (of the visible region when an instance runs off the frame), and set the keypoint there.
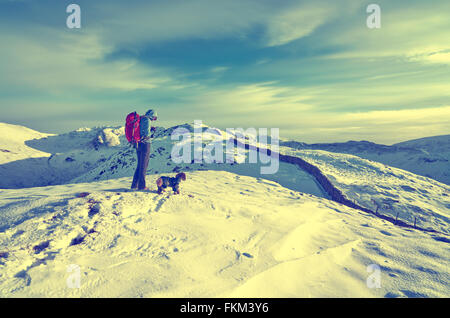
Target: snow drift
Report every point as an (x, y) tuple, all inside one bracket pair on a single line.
[(231, 232), (225, 235)]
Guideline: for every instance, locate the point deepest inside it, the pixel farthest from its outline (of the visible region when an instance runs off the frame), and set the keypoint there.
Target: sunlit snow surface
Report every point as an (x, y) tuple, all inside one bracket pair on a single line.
[(230, 233)]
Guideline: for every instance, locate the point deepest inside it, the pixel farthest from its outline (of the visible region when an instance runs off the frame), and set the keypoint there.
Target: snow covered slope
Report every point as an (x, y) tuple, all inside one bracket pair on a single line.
[(433, 145), (428, 157), (224, 235), (387, 190), (29, 158), (12, 143), (97, 154), (231, 232)]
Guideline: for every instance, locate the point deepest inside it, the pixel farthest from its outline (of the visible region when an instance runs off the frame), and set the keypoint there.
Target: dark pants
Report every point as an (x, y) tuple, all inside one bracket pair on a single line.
[(143, 155)]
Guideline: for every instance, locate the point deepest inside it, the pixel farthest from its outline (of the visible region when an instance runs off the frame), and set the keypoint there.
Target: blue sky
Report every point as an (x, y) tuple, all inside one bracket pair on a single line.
[(311, 68)]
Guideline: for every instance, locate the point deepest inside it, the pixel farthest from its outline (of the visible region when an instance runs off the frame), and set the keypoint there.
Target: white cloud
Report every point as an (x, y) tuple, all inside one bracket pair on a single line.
[(156, 21), (295, 23), (298, 114), (70, 62), (219, 69), (442, 57), (249, 100), (417, 32), (388, 127)]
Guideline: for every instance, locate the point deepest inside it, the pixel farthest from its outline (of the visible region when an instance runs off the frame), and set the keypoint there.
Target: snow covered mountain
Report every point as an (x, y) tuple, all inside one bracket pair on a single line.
[(433, 145), (102, 153), (225, 235), (29, 158), (231, 232), (383, 189), (429, 157), (12, 143)]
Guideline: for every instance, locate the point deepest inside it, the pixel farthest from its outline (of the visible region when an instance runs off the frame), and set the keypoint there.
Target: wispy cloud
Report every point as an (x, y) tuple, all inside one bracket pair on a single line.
[(416, 29), (294, 23), (72, 61), (442, 57), (298, 116), (162, 21)]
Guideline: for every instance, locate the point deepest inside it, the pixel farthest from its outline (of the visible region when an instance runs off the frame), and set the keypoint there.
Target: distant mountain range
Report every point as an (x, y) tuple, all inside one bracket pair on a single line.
[(29, 158)]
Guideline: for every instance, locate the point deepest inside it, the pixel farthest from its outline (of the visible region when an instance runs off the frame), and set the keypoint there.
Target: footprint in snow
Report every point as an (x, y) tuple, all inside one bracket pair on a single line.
[(40, 247), (24, 275), (77, 240), (441, 239)]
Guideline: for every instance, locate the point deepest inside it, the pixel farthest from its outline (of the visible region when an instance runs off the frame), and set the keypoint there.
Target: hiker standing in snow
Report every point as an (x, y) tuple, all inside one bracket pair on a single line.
[(143, 146)]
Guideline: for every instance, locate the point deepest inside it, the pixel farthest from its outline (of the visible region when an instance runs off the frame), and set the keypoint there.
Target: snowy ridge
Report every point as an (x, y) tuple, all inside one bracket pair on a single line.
[(97, 154), (225, 235), (429, 157), (12, 143), (122, 163), (385, 190), (34, 159), (432, 145)]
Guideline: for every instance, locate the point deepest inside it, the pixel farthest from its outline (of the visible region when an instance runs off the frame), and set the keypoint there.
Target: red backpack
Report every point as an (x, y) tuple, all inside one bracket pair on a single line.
[(132, 128)]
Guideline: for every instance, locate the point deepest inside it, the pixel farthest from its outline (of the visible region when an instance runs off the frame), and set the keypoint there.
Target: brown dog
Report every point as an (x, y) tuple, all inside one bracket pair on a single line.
[(163, 182)]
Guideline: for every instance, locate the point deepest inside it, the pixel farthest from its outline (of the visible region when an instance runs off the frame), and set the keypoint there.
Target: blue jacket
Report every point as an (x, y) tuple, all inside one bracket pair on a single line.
[(146, 129)]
